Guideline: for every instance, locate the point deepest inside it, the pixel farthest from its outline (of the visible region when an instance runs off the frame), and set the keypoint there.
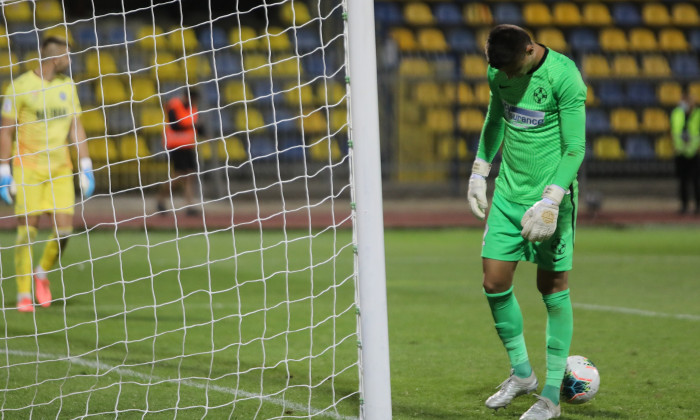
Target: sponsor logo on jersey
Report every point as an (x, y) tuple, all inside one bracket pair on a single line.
[(525, 118)]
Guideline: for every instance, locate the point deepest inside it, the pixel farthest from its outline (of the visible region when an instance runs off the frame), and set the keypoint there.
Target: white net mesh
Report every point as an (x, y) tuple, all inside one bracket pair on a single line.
[(234, 301)]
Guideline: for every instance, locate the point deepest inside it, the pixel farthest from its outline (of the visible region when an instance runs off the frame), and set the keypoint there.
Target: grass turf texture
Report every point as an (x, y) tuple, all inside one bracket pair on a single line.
[(446, 358)]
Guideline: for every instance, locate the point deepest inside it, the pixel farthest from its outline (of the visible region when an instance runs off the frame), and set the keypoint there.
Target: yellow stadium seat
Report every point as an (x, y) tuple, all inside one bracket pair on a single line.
[(285, 68), (477, 14), (608, 148), (566, 14), (404, 39), (416, 67), (331, 93), (325, 150), (19, 11), (339, 118), (231, 149), (295, 93), (103, 150), (198, 68), (537, 14), (655, 66), (418, 14), (101, 63), (613, 39), (168, 68), (249, 120), (685, 14), (143, 89), (133, 147), (474, 65), (93, 121), (9, 64), (4, 39), (482, 93), (642, 39), (596, 14), (439, 120), (625, 66), (278, 39), (431, 40), (152, 120), (110, 90), (669, 93), (655, 120), (553, 38), (49, 11), (149, 37), (694, 90), (664, 148), (183, 40), (655, 14), (624, 120), (595, 65), (470, 120), (237, 91), (672, 40), (428, 93), (203, 150), (314, 122), (591, 99), (465, 94), (59, 31), (246, 37), (294, 13), (482, 35), (256, 65)]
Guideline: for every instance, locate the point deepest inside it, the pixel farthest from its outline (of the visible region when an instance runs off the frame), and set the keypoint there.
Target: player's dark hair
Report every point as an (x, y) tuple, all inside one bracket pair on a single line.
[(53, 40), (506, 45)]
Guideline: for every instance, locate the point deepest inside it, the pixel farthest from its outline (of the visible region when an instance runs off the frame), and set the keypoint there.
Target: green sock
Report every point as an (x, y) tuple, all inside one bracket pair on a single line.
[(560, 329), (509, 325)]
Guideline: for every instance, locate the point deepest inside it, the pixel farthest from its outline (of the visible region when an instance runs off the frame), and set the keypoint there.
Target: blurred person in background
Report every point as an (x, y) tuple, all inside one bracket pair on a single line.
[(180, 141), (685, 132)]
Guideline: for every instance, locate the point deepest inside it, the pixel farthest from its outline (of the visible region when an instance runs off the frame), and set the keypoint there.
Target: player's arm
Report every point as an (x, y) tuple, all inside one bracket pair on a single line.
[(694, 134), (79, 138)]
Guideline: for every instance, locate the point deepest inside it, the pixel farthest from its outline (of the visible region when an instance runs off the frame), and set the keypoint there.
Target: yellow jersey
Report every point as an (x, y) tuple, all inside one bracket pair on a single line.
[(44, 111)]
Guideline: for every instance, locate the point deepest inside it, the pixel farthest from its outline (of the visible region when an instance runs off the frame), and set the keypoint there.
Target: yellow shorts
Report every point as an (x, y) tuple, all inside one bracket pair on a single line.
[(38, 193)]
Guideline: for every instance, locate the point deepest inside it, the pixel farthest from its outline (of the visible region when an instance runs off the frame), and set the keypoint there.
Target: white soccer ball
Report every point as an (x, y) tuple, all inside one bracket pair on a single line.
[(581, 380)]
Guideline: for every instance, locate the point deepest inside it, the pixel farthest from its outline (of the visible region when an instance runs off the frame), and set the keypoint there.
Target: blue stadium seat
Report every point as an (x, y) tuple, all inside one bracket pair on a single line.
[(685, 65), (626, 14), (388, 13), (639, 147), (610, 93), (583, 40), (694, 39), (262, 147), (314, 64), (292, 149), (461, 40), (308, 38), (227, 63), (212, 38), (447, 14), (285, 121), (25, 38), (597, 121), (507, 13), (85, 36), (641, 93)]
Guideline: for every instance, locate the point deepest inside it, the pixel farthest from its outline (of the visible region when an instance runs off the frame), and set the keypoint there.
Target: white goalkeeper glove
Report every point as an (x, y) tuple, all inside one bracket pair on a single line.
[(476, 194), (7, 184), (87, 178), (540, 220)]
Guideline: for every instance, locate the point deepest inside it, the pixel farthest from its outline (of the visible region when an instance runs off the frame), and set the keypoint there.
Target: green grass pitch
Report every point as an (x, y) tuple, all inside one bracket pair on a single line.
[(140, 310)]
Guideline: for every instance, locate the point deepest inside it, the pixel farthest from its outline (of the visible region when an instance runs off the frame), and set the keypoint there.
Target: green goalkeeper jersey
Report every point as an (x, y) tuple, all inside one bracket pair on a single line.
[(540, 120)]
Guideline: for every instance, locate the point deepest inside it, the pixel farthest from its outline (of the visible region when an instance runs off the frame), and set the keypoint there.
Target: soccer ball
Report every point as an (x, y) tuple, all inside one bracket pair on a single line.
[(581, 380)]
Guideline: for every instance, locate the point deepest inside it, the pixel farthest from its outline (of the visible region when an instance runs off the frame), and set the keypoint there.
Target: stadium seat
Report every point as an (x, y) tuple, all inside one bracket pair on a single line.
[(198, 67), (388, 13), (694, 39), (470, 120), (133, 147), (9, 65), (256, 66), (227, 63), (552, 38), (583, 40), (685, 66), (440, 120), (428, 93), (641, 94), (293, 92), (168, 68), (597, 121), (655, 14), (59, 31), (338, 118), (642, 40), (474, 65), (431, 40), (4, 39), (249, 120), (537, 14), (307, 39), (669, 93), (183, 40), (477, 14), (212, 38), (507, 12), (624, 120), (100, 64), (152, 119), (93, 121), (596, 14), (85, 36), (608, 148), (404, 39), (639, 147), (103, 150), (110, 90), (290, 68), (331, 93), (626, 14), (237, 91), (591, 98), (314, 122), (325, 150), (482, 93), (654, 65), (447, 14), (244, 37), (663, 148), (461, 40), (685, 14), (295, 13), (18, 12), (595, 65), (465, 94), (416, 67), (625, 66), (694, 90), (143, 89), (231, 149), (418, 13), (278, 40), (655, 120), (49, 11), (150, 38), (672, 40), (566, 14), (613, 40)]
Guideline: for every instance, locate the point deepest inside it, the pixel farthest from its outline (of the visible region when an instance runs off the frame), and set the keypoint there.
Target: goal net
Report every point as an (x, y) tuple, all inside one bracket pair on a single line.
[(219, 279)]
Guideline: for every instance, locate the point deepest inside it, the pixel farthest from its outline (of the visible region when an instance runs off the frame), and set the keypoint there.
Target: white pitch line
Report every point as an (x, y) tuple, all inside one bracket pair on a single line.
[(632, 311), (186, 382)]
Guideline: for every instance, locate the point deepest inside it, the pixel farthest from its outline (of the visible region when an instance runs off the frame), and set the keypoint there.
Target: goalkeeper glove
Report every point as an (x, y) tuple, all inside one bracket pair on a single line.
[(540, 220), (476, 194), (7, 184), (87, 178)]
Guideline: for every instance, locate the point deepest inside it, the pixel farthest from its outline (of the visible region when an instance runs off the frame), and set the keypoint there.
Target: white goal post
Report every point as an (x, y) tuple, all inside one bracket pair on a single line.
[(239, 275)]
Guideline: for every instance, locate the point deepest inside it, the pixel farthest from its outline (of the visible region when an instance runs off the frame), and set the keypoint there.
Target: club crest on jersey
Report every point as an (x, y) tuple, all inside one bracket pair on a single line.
[(525, 118), (540, 95)]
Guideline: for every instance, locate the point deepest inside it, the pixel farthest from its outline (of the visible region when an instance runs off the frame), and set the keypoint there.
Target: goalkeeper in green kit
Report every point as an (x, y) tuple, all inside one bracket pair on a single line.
[(537, 113)]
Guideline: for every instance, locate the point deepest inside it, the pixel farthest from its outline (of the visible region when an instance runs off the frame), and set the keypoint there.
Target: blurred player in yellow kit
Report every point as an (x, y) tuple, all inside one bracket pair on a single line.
[(43, 108)]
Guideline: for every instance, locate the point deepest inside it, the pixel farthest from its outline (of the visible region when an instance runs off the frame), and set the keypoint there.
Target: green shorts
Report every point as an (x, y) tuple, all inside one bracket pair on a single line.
[(502, 239)]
